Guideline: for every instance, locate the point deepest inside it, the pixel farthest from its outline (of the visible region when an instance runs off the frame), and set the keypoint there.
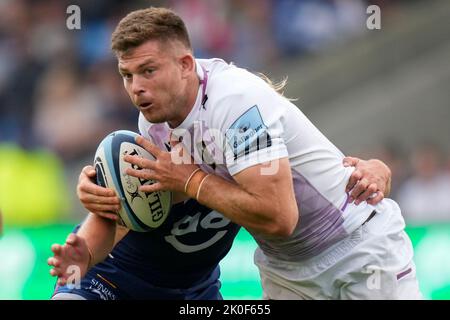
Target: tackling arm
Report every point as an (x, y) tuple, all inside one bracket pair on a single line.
[(94, 241)]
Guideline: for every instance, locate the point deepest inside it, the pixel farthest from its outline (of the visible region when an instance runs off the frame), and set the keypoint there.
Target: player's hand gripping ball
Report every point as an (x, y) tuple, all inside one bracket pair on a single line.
[(139, 211)]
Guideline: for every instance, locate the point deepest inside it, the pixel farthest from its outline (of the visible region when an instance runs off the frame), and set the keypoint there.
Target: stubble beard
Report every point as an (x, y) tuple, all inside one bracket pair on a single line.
[(170, 113)]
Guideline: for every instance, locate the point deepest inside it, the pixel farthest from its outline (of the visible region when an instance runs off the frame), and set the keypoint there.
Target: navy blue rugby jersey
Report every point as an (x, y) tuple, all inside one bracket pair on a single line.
[(185, 249)]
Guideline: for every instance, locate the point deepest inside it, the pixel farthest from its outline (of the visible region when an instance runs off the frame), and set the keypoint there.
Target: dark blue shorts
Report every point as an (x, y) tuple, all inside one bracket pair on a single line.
[(106, 281)]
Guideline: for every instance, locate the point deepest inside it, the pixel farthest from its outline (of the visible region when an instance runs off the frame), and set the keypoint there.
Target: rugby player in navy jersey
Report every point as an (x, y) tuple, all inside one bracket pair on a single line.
[(180, 260)]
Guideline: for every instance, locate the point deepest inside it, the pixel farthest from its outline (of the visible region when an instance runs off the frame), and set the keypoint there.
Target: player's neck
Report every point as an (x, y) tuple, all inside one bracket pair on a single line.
[(191, 97)]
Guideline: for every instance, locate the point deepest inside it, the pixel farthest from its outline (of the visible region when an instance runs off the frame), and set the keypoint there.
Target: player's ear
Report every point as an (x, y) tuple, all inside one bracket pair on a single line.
[(187, 63)]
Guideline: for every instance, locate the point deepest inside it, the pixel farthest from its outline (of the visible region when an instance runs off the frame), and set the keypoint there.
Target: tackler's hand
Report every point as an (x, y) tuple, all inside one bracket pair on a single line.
[(370, 181), (96, 199)]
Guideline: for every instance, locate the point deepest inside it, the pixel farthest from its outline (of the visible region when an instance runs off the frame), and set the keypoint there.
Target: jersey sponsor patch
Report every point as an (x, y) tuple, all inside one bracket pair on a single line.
[(248, 133), (189, 225)]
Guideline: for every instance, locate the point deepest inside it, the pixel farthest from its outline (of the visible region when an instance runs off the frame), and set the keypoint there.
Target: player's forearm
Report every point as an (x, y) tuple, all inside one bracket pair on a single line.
[(257, 213), (99, 234)]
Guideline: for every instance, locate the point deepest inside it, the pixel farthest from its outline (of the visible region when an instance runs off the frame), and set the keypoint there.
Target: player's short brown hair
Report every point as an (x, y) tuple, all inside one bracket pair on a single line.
[(148, 24)]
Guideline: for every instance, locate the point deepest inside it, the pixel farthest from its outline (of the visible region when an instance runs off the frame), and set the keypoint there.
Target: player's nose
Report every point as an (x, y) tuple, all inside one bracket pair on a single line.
[(138, 86)]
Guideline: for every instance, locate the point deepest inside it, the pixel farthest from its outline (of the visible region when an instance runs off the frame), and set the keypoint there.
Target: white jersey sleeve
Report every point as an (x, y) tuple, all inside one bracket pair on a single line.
[(250, 119)]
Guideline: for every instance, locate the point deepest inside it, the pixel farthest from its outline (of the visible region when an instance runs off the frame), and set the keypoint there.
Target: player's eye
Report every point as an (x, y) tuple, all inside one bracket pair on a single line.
[(126, 76), (149, 71)]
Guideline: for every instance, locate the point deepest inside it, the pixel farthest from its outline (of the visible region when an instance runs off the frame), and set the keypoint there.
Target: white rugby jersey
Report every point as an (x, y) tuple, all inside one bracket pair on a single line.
[(238, 121)]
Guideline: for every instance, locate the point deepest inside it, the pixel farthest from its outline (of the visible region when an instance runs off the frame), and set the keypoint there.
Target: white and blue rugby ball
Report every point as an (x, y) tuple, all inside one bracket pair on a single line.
[(139, 211)]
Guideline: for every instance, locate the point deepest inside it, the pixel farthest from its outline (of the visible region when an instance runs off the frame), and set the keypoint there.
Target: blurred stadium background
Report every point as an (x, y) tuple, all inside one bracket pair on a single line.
[(375, 93)]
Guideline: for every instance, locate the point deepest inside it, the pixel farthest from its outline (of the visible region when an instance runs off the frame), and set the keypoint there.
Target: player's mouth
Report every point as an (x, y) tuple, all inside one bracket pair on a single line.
[(145, 105)]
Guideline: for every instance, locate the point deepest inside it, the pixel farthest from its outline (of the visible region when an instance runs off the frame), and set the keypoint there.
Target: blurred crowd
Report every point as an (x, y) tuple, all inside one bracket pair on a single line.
[(60, 89)]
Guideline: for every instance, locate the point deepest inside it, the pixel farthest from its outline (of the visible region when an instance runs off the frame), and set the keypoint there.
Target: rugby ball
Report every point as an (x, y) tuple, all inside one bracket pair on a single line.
[(139, 211)]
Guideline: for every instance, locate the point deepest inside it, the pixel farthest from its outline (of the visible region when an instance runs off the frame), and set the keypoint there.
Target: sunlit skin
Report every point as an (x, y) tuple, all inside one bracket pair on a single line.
[(161, 80)]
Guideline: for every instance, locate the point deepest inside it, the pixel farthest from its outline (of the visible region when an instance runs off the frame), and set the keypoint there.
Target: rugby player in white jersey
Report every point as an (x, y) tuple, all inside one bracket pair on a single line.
[(244, 150)]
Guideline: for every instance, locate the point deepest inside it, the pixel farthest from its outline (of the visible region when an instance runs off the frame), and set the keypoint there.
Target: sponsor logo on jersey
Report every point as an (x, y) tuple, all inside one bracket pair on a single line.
[(100, 289), (191, 224), (248, 133)]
